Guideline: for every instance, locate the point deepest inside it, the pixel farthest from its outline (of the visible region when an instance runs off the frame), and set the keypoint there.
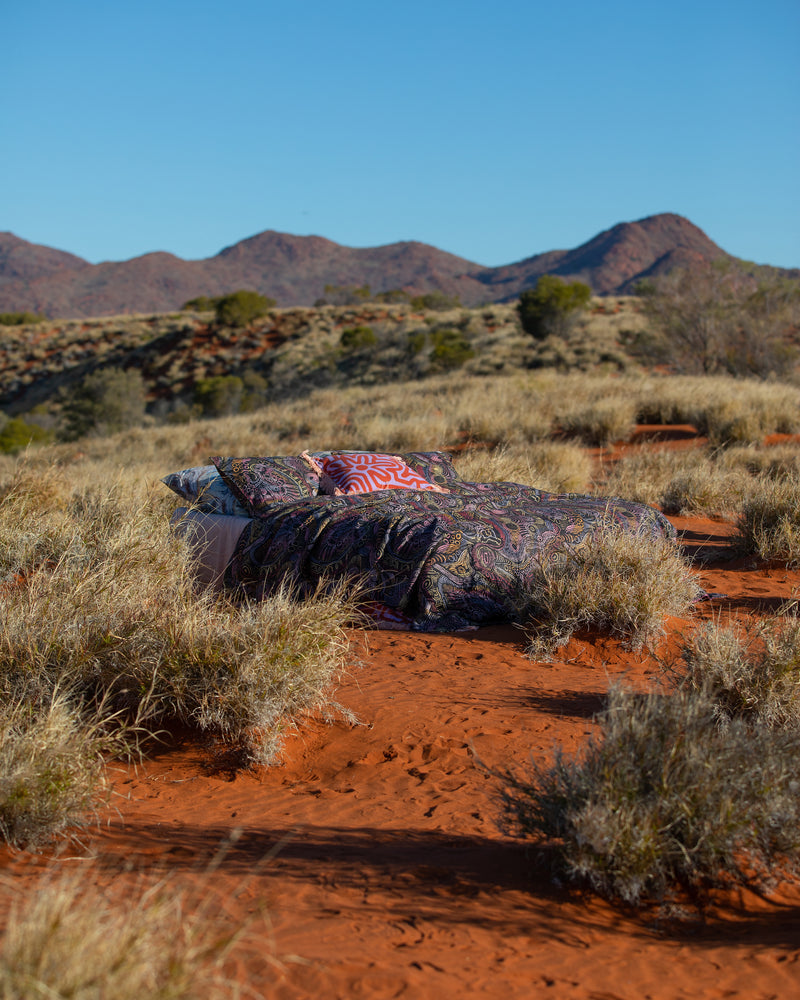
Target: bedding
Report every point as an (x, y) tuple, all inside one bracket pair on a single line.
[(211, 539), (259, 482), (353, 472), (204, 488), (429, 561)]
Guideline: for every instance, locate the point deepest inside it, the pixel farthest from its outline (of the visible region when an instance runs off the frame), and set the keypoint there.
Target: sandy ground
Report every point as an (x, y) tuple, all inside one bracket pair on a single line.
[(369, 863)]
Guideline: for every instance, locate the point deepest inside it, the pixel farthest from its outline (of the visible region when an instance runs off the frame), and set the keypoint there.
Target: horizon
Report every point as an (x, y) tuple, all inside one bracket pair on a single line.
[(177, 128)]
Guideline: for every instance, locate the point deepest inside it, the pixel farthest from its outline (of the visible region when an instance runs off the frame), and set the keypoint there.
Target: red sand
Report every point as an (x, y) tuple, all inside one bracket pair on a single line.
[(370, 863)]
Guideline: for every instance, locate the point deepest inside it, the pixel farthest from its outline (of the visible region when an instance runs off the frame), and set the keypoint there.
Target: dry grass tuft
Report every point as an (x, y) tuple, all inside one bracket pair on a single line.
[(621, 581), (67, 940), (706, 489), (51, 769), (602, 422), (550, 466), (750, 673), (97, 599), (769, 522), (664, 796)]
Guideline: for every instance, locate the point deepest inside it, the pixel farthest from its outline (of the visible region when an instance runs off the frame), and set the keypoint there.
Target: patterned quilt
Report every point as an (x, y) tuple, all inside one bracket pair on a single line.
[(428, 561)]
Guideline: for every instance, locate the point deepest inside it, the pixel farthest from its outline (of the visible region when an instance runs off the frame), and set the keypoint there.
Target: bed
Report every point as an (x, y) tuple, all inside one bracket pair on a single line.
[(430, 551)]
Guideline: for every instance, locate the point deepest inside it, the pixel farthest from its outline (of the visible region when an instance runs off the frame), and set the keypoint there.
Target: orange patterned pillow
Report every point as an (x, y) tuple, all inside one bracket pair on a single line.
[(364, 472)]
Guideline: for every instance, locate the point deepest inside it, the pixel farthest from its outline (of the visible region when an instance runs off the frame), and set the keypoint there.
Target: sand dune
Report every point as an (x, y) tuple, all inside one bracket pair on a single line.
[(370, 864)]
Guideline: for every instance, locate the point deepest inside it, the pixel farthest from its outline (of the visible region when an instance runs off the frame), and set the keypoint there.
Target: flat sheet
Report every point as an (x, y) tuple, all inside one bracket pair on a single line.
[(212, 540)]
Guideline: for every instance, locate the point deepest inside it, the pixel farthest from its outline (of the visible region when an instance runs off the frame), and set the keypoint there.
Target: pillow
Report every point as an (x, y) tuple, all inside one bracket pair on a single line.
[(258, 482), (435, 466), (364, 472), (204, 488)]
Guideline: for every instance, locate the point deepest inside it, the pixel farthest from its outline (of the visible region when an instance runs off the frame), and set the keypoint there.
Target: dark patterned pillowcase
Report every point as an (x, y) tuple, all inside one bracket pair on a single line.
[(259, 482), (436, 466), (204, 488)]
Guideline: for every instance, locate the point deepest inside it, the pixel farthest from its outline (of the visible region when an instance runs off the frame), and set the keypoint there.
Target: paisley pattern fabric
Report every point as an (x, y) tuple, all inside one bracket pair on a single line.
[(365, 472), (440, 561), (259, 483), (435, 466)]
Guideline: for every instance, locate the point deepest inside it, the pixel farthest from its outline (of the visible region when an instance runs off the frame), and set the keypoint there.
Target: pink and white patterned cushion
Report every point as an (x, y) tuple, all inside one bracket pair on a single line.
[(365, 472)]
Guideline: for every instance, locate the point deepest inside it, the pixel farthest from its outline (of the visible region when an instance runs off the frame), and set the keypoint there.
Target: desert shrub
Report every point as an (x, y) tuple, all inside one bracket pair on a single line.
[(69, 939), (621, 581), (769, 521), (16, 435), (601, 422), (218, 395), (450, 349), (344, 295), (391, 296), (20, 318), (435, 301), (203, 303), (716, 317), (241, 308), (553, 306), (51, 768), (356, 338), (750, 673), (663, 796), (106, 401)]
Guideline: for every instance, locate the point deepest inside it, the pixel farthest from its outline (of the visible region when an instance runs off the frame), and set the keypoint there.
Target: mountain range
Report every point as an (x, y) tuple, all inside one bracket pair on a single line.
[(294, 270)]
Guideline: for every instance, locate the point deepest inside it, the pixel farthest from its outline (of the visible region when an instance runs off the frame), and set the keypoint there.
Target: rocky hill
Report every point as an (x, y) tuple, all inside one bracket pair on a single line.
[(295, 269)]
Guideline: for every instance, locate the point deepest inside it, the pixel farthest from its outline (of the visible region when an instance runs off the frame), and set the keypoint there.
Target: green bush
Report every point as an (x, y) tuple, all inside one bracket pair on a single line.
[(450, 349), (203, 303), (241, 308), (355, 338), (16, 435), (106, 401), (20, 318), (219, 395), (552, 307)]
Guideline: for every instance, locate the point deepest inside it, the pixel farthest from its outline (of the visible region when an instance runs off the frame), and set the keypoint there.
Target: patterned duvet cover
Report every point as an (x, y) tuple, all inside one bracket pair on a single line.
[(428, 561)]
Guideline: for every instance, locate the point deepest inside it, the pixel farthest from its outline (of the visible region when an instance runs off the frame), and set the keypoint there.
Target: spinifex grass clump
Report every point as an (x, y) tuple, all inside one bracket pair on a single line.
[(622, 581), (706, 489), (97, 599), (769, 522), (551, 466), (750, 673), (51, 768), (68, 940), (664, 796)]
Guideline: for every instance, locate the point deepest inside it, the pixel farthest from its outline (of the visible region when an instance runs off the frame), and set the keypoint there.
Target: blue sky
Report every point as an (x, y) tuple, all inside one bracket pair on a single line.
[(493, 130)]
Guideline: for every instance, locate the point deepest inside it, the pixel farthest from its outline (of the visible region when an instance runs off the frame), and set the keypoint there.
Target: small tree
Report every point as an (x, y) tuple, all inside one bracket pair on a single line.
[(552, 307), (718, 317), (241, 308), (106, 401), (219, 395)]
